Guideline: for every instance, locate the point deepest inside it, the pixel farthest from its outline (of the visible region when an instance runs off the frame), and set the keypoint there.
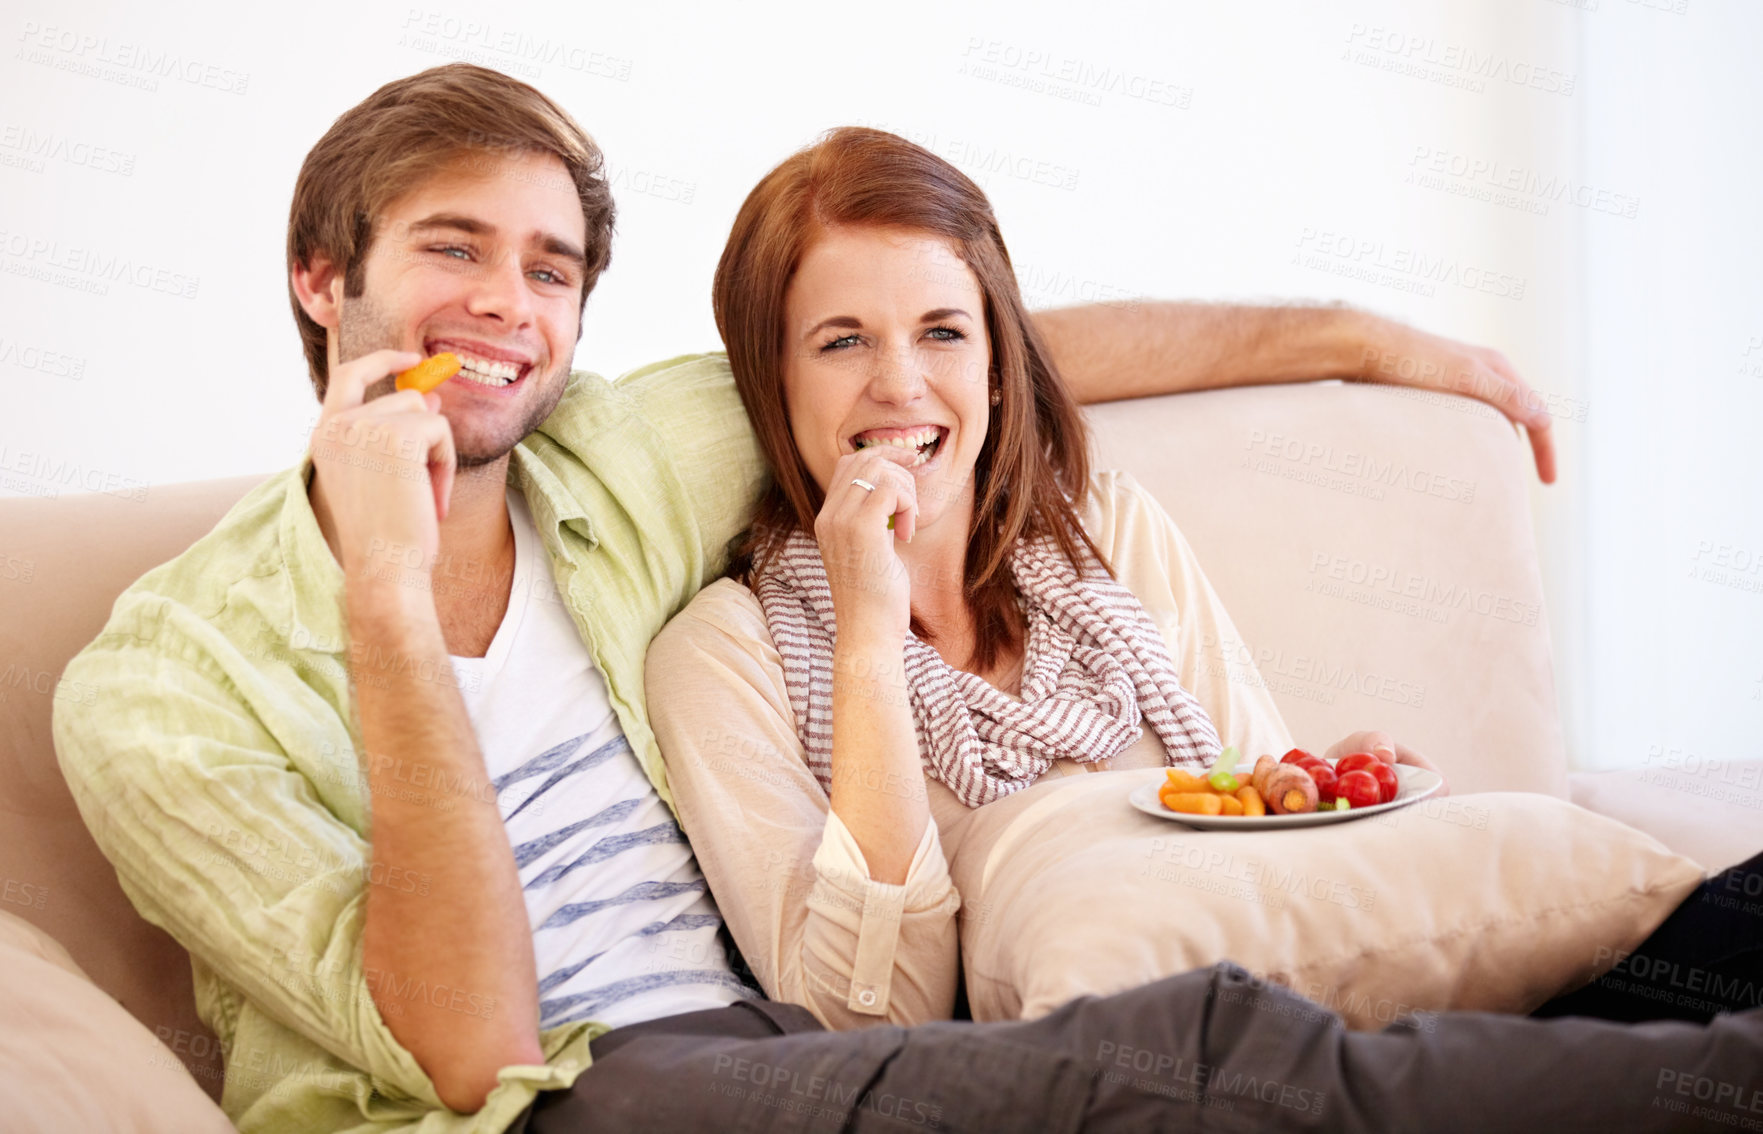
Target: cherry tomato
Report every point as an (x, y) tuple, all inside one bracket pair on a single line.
[(1359, 788), (1324, 775), (1295, 756), (1386, 780), (1355, 762)]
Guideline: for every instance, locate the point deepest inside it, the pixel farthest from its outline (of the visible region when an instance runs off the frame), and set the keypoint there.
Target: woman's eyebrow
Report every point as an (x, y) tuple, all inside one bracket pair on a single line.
[(850, 321)]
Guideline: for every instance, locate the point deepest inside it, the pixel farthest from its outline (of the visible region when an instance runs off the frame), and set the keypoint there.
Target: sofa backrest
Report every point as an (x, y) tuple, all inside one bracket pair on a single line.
[(63, 561), (1373, 547)]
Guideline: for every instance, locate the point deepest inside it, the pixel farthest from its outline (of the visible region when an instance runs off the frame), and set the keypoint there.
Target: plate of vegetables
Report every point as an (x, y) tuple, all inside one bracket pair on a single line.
[(1298, 790)]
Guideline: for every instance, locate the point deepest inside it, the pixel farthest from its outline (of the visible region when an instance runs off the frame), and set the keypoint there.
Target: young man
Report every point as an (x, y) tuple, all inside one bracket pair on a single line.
[(374, 749)]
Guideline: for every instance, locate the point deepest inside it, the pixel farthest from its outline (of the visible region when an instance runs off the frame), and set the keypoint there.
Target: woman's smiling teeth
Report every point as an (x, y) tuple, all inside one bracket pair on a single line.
[(926, 441)]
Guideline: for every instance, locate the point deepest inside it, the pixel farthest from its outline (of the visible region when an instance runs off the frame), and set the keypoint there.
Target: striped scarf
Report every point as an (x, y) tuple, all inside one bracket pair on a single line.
[(1095, 666)]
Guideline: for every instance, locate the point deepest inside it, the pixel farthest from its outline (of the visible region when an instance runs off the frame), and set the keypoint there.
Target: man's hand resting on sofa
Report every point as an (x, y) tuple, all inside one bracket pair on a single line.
[(1107, 352), (1405, 356)]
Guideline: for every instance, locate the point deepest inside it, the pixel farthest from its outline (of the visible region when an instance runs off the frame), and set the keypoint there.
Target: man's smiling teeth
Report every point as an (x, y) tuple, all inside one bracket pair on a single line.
[(487, 373)]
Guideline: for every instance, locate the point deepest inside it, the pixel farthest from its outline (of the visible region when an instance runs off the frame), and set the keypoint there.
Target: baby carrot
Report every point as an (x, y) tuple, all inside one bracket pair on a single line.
[(1192, 802), (1186, 781), (1251, 800), (429, 373), (1231, 805)]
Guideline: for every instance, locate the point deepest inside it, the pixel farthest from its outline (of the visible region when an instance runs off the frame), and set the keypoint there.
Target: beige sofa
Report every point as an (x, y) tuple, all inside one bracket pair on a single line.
[(1373, 545)]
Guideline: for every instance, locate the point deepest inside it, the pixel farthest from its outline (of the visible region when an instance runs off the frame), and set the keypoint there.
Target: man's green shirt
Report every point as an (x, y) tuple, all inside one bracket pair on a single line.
[(219, 772)]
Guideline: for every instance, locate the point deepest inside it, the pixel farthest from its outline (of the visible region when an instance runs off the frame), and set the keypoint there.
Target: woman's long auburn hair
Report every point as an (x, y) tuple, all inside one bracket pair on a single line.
[(1031, 474)]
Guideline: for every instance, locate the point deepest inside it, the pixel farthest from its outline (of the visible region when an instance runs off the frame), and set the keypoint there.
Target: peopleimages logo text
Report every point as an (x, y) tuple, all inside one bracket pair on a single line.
[(135, 58)]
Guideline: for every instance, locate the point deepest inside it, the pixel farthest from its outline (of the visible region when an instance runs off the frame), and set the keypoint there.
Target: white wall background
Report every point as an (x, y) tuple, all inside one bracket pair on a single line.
[(1599, 158), (1672, 648)]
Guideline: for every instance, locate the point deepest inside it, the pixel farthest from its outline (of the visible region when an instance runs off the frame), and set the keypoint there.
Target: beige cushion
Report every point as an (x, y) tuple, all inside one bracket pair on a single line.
[(1494, 902), (72, 1059)]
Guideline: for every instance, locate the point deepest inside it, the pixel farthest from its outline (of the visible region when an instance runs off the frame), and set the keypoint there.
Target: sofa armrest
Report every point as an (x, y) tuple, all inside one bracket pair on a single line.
[(1712, 813)]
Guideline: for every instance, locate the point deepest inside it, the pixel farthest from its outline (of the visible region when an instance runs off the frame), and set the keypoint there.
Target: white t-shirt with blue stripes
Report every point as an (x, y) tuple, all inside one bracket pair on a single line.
[(624, 928)]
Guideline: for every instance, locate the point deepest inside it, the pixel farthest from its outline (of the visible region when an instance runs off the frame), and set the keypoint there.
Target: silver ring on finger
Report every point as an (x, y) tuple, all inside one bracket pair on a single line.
[(863, 484)]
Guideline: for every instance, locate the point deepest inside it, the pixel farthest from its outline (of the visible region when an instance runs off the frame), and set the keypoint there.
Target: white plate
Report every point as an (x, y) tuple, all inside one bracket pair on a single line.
[(1412, 786)]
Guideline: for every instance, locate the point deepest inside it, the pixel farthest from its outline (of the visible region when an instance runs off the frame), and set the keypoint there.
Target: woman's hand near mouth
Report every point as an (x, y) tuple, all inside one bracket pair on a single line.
[(872, 593), (877, 782)]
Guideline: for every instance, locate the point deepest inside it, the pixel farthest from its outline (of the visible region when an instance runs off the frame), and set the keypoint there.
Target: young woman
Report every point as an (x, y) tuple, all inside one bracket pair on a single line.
[(940, 612), (997, 606)]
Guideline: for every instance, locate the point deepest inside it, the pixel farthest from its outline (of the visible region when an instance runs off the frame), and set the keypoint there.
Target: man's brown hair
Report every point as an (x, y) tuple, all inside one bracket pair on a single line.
[(407, 131), (1031, 474)]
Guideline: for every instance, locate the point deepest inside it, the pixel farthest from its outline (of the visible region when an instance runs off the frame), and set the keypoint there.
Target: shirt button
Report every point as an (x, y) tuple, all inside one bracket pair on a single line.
[(867, 998)]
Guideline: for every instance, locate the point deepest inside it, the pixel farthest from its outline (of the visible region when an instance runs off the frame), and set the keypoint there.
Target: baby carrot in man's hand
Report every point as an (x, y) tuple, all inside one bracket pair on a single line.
[(429, 373)]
